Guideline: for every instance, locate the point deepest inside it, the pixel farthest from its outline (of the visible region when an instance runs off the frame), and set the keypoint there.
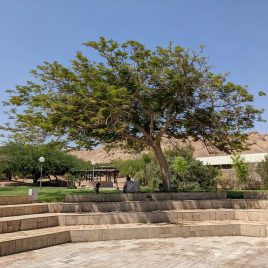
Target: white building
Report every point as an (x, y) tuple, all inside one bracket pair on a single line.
[(225, 161)]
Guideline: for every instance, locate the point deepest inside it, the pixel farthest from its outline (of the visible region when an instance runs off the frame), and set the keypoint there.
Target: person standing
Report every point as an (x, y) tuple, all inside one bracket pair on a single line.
[(97, 188)]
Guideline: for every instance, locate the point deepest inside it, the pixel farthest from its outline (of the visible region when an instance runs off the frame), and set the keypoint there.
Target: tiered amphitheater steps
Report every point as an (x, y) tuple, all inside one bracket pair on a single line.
[(131, 216), (11, 243), (38, 221)]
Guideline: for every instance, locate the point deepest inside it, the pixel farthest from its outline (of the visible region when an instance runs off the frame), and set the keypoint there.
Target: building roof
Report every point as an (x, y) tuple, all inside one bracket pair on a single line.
[(226, 159)]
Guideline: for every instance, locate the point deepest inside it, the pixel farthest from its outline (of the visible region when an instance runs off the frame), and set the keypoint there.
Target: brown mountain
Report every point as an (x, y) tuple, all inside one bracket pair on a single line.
[(258, 143)]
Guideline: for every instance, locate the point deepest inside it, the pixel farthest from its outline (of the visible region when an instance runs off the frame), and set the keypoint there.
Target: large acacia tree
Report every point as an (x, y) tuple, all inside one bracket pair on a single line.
[(135, 95)]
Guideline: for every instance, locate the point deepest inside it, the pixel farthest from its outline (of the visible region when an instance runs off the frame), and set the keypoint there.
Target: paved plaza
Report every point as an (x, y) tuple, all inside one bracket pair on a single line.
[(166, 253)]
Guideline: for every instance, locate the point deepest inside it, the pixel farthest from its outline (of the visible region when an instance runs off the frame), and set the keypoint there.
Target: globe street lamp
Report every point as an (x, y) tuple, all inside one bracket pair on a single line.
[(93, 165), (41, 160)]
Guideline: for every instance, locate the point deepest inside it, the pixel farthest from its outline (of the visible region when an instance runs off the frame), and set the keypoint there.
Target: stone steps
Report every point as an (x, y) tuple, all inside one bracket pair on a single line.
[(154, 205), (23, 209), (137, 206), (39, 238), (171, 216), (11, 243), (28, 222), (44, 220), (32, 226)]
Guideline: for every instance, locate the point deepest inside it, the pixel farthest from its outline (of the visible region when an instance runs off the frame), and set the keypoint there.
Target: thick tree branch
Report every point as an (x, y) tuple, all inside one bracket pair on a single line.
[(168, 121), (145, 133), (136, 139)]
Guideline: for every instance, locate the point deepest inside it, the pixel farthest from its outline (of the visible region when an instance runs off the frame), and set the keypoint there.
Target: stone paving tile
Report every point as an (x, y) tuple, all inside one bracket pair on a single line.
[(198, 252)]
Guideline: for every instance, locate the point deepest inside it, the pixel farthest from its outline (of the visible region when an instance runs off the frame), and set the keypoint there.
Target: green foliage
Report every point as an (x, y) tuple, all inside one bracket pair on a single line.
[(133, 92), (22, 160), (146, 169), (187, 173), (128, 167), (262, 93), (189, 186), (241, 168), (262, 170), (180, 165)]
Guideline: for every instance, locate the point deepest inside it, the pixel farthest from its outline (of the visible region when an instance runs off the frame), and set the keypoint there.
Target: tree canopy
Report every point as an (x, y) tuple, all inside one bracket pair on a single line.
[(136, 95), (21, 160)]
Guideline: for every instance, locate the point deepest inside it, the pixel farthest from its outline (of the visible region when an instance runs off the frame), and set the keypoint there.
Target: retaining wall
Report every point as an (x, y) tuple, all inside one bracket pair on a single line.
[(16, 199), (144, 197), (255, 195)]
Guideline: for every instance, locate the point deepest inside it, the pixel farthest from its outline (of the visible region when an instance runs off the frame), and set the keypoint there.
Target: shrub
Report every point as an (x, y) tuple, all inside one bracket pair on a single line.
[(187, 173), (262, 170), (191, 186), (146, 169), (241, 169)]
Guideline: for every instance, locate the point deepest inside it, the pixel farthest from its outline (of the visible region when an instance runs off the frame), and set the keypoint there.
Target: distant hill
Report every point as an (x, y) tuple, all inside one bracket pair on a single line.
[(258, 143)]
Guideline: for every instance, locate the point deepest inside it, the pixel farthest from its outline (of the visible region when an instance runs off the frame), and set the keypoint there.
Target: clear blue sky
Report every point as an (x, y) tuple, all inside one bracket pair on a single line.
[(235, 33)]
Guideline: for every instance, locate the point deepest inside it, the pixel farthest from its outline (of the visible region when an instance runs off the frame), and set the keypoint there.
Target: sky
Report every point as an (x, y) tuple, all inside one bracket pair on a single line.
[(234, 33)]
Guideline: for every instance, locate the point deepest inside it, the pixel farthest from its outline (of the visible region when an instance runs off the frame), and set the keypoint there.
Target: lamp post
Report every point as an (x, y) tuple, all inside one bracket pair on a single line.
[(93, 165), (41, 160)]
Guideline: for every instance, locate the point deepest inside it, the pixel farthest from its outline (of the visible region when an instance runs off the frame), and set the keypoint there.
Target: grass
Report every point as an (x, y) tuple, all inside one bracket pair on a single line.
[(49, 194), (57, 194)]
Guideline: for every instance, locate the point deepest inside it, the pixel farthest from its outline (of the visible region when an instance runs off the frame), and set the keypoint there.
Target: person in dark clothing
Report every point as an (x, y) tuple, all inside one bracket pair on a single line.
[(97, 188)]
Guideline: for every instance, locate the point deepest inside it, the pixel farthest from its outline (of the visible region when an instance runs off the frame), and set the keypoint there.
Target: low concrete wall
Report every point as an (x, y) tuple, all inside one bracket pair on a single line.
[(144, 197), (17, 210), (255, 195), (145, 206), (28, 223), (168, 231), (34, 242), (130, 206), (16, 199), (151, 217)]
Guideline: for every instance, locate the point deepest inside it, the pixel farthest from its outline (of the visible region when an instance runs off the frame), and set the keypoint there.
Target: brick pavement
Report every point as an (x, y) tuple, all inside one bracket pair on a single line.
[(163, 253)]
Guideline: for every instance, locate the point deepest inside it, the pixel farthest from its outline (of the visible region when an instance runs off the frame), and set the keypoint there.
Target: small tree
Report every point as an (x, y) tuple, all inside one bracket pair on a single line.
[(180, 166), (189, 173), (241, 169)]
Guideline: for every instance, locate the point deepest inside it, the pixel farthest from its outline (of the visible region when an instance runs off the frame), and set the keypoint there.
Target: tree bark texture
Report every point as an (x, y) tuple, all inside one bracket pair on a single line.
[(163, 166)]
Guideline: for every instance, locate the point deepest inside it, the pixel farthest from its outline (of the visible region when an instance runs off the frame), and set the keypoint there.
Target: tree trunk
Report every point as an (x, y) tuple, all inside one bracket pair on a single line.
[(36, 176), (163, 166), (57, 180)]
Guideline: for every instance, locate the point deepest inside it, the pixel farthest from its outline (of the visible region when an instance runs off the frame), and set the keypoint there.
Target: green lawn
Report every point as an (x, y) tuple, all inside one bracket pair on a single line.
[(57, 194), (49, 194)]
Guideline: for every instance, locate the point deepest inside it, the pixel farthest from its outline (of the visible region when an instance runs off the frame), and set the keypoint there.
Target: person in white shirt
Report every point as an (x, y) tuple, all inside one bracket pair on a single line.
[(131, 186), (128, 185)]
